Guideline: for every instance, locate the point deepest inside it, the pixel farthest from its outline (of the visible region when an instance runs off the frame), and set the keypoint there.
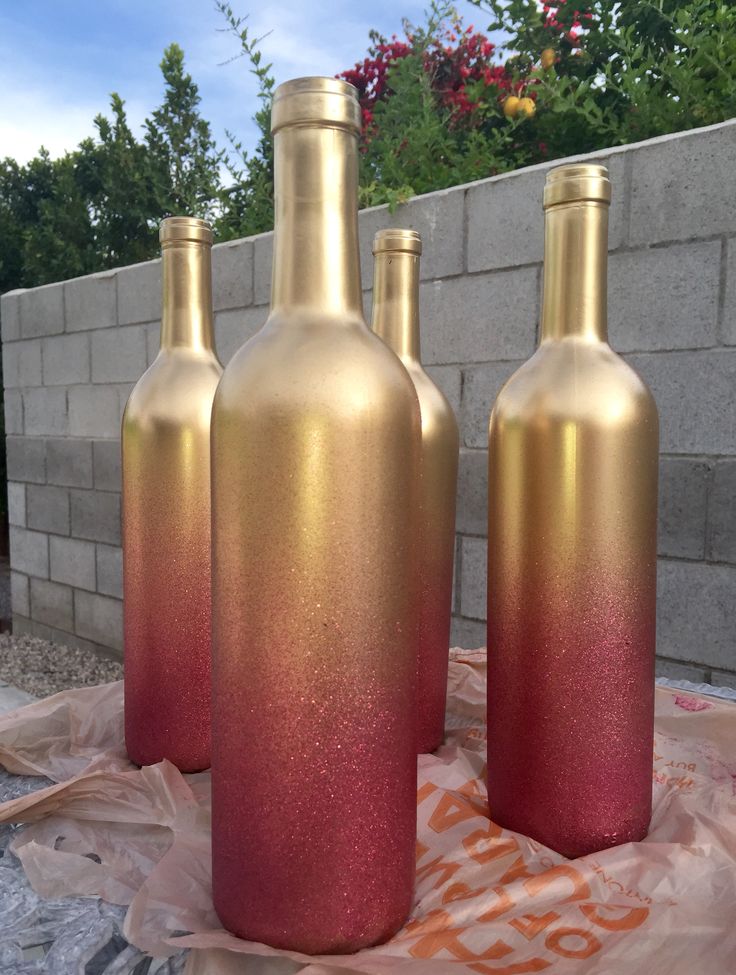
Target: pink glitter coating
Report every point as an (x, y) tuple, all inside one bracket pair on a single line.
[(571, 714), (692, 703)]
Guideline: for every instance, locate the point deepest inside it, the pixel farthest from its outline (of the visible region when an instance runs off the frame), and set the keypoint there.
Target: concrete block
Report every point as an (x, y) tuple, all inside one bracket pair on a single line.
[(48, 508), (480, 318), (677, 671), (139, 293), (91, 302), (722, 513), (728, 324), (438, 217), (665, 298), (96, 516), (481, 386), (17, 504), (13, 400), (695, 613), (679, 184), (42, 311), (472, 492), (234, 328), (72, 561), (107, 465), (20, 599), (26, 459), (119, 355), (722, 678), (69, 462), (506, 220), (10, 315), (467, 634), (99, 618), (683, 502), (94, 411), (696, 396), (66, 360), (51, 604), (45, 411), (474, 578), (262, 261), (450, 381), (110, 570), (153, 340), (232, 274), (22, 364), (29, 552)]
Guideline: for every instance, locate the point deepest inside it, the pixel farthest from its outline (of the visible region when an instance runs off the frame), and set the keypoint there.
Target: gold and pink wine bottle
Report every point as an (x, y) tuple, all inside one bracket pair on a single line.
[(396, 319), (316, 439), (166, 516), (572, 547)]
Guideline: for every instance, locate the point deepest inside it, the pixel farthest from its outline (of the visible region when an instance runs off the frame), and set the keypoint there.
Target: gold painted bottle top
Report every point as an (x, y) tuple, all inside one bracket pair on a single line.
[(174, 230), (397, 240), (316, 101), (577, 183)]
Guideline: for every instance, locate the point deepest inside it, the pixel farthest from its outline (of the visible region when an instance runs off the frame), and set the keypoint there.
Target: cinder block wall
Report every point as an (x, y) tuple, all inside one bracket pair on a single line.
[(72, 352)]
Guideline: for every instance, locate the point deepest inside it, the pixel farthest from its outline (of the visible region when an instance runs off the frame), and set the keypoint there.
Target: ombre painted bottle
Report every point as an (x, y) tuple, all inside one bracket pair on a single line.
[(166, 516), (396, 319), (573, 456), (316, 440)]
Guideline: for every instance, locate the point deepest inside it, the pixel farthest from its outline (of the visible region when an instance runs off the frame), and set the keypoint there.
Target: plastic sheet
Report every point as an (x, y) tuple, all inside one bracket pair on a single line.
[(487, 900)]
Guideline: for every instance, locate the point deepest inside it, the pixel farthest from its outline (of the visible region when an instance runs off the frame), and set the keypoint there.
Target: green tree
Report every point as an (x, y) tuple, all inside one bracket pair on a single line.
[(184, 160)]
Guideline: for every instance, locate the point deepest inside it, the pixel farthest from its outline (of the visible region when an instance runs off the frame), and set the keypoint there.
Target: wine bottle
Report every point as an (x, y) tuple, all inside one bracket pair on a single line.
[(166, 516), (396, 319), (573, 458), (316, 437)]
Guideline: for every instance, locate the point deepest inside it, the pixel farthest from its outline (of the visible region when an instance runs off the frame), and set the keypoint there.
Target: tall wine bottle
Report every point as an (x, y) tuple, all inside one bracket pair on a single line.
[(316, 437), (166, 516), (396, 319), (573, 455)]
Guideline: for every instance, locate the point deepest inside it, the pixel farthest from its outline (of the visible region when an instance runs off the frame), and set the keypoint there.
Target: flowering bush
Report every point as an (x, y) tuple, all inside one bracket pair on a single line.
[(443, 106)]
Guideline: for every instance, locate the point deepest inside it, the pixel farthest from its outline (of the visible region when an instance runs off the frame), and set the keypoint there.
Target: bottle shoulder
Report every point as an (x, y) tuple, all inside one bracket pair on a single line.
[(318, 358), (573, 379), (176, 386), (438, 417)]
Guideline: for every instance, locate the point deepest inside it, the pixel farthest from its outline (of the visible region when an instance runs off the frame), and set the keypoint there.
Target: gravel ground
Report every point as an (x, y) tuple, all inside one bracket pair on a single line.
[(43, 668)]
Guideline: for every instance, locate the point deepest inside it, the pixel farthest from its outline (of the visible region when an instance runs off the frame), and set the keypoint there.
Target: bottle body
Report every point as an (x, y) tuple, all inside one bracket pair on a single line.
[(396, 320), (315, 459), (573, 461), (166, 526)]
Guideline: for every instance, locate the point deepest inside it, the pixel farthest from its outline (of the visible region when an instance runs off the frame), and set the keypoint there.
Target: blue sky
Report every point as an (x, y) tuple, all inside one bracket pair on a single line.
[(60, 59)]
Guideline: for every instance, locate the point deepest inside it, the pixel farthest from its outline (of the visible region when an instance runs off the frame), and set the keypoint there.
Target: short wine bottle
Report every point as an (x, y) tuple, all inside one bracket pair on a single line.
[(316, 437), (166, 516), (573, 457), (396, 319)]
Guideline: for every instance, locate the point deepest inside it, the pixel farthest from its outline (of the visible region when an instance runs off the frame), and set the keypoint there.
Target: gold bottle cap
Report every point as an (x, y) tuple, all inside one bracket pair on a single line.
[(393, 239), (577, 183), (175, 229), (320, 101)]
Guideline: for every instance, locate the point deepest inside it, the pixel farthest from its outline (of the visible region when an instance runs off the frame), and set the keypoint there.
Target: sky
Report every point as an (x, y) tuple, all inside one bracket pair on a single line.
[(61, 59)]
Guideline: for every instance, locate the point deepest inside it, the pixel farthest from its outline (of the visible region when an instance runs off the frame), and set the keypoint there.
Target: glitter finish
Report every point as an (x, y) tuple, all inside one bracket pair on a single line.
[(166, 517), (572, 560), (396, 320), (316, 437)]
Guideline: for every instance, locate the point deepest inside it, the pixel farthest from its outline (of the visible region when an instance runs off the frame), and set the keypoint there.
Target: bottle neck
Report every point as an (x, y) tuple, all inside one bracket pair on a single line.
[(396, 302), (186, 318), (316, 261), (575, 272)]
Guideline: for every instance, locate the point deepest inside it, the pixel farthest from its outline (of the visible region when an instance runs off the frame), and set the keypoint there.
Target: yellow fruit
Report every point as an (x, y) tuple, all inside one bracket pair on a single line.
[(526, 107), (548, 58), (511, 106)]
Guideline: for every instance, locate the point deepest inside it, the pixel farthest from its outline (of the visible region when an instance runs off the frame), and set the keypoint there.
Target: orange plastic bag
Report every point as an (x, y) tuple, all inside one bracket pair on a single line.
[(487, 901)]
